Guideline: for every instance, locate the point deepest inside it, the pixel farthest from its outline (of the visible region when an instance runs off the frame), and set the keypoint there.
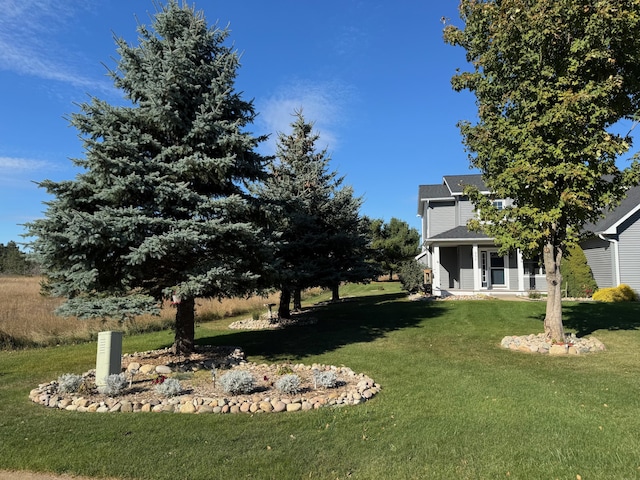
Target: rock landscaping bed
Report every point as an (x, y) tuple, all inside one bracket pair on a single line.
[(199, 393), (264, 322), (539, 344)]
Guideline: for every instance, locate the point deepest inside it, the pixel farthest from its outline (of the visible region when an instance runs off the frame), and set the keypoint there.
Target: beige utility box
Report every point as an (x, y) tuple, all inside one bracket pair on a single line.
[(109, 357)]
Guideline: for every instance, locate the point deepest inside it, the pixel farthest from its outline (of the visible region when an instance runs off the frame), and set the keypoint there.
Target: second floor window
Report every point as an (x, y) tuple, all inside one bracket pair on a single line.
[(499, 204)]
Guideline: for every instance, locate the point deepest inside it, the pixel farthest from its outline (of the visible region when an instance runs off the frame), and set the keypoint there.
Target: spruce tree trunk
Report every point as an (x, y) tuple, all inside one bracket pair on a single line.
[(335, 292), (285, 300), (297, 299), (553, 328), (185, 326)]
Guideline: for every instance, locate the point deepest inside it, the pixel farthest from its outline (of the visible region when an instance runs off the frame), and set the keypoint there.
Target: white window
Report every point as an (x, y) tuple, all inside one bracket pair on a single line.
[(499, 204)]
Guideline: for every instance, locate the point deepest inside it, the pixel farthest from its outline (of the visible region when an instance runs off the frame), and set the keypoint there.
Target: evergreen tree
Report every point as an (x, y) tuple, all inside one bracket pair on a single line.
[(315, 219), (393, 243), (161, 209), (551, 79), (576, 273)]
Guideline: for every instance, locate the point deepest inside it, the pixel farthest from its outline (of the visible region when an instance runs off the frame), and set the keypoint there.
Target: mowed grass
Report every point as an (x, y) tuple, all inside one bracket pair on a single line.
[(453, 404)]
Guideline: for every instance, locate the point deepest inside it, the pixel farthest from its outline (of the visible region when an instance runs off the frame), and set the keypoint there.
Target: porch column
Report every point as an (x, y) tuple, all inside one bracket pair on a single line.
[(436, 271), (476, 267), (520, 270)]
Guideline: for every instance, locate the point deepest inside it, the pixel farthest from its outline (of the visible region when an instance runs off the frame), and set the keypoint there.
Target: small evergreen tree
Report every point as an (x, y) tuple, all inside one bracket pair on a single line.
[(577, 274), (161, 209)]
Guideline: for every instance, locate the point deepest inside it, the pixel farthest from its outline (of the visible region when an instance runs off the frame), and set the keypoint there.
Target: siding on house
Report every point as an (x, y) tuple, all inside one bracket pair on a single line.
[(629, 251), (513, 271), (442, 217), (600, 258), (465, 261), (466, 211), (449, 267)]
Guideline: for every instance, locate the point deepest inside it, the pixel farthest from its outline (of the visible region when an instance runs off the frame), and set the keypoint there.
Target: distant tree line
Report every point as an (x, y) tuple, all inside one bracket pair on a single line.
[(13, 261)]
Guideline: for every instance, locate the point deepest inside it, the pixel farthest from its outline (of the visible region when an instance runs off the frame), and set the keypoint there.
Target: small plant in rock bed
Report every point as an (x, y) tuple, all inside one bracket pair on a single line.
[(237, 381), (288, 384), (284, 369), (115, 384), (169, 388), (325, 378), (69, 383)]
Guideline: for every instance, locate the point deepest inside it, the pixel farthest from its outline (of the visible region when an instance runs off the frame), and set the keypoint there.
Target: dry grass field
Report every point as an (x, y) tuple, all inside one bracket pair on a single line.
[(27, 318)]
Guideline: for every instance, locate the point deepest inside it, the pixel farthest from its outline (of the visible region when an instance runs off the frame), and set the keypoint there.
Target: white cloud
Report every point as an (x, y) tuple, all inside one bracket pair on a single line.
[(28, 45), (14, 165), (325, 104)]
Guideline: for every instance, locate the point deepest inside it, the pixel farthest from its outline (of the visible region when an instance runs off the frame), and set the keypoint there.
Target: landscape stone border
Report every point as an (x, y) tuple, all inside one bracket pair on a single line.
[(352, 388), (538, 343)]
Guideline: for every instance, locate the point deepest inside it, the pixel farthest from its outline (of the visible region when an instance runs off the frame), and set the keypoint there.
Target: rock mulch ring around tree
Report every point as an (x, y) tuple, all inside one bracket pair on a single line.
[(198, 392), (264, 322), (539, 344)]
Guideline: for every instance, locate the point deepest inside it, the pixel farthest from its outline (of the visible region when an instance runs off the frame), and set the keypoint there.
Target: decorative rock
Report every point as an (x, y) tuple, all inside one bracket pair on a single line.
[(126, 406), (147, 369), (133, 367), (265, 406), (294, 407), (187, 408), (205, 409), (163, 369), (279, 407), (146, 407)]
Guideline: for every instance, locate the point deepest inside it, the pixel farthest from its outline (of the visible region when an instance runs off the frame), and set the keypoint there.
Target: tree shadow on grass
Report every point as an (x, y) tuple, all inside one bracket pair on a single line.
[(361, 319), (586, 318)]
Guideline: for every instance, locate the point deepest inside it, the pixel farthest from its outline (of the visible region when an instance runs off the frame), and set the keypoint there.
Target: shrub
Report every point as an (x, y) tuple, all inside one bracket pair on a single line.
[(325, 378), (169, 388), (411, 276), (621, 293), (237, 381), (115, 384), (576, 273), (69, 383), (289, 384)]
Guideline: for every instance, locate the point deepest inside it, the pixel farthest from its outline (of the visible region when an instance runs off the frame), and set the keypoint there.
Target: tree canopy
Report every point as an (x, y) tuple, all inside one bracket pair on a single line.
[(552, 80), (393, 243), (161, 208)]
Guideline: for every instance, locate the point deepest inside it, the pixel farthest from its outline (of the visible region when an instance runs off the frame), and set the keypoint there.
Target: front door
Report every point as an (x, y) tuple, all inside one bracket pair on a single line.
[(492, 269)]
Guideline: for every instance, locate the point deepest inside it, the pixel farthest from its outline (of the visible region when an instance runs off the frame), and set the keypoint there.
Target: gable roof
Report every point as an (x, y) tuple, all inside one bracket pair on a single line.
[(614, 218), (451, 186), (456, 183), (460, 232)]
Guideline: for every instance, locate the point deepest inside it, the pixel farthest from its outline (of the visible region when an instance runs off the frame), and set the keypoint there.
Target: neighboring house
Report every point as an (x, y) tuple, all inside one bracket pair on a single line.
[(465, 262), (612, 246)]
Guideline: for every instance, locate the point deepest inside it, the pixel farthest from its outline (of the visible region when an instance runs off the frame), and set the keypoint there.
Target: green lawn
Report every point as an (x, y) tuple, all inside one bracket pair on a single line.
[(453, 404)]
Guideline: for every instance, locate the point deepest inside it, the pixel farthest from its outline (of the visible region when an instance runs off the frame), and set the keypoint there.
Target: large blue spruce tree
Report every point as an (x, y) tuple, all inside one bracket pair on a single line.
[(161, 207)]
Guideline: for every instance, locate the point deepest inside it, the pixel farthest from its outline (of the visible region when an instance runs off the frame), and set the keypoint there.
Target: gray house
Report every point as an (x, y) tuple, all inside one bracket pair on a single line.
[(613, 245), (465, 262)]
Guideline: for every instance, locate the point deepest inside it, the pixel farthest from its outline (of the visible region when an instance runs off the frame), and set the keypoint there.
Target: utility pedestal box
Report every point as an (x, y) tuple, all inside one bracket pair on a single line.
[(109, 357)]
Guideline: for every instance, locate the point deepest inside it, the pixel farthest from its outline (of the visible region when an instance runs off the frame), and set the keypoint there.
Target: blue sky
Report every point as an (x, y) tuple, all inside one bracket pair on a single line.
[(374, 76)]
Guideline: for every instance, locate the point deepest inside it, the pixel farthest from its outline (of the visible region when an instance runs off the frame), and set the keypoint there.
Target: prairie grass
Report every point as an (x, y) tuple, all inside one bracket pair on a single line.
[(27, 318)]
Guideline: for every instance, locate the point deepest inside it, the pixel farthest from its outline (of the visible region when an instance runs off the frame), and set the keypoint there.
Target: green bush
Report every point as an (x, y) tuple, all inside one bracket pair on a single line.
[(411, 276), (621, 293), (576, 274)]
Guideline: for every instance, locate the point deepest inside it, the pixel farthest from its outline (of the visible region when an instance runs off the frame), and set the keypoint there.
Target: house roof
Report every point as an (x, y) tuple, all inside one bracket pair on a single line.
[(456, 183), (459, 233), (451, 186), (614, 218)]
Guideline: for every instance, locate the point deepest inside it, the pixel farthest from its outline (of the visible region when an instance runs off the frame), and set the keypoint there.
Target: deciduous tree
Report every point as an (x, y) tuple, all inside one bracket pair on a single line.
[(551, 79), (161, 208)]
